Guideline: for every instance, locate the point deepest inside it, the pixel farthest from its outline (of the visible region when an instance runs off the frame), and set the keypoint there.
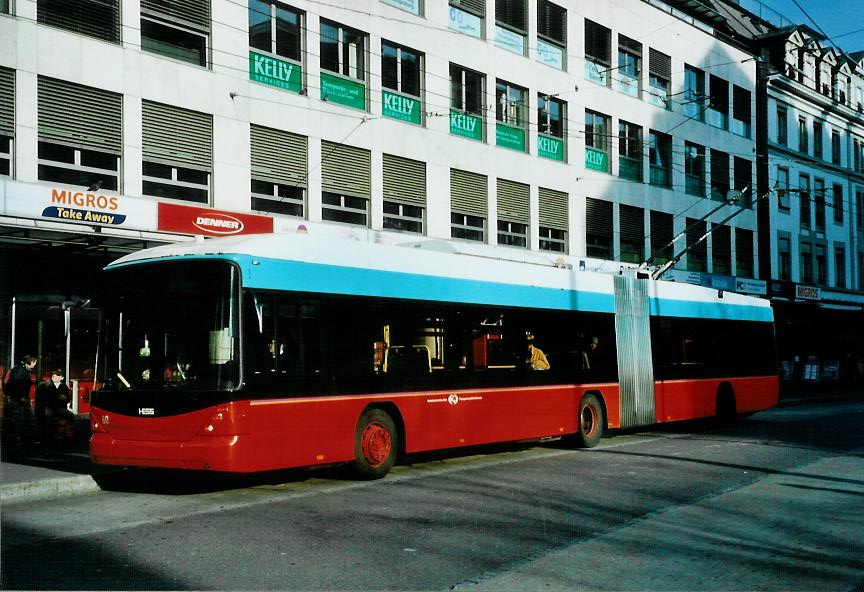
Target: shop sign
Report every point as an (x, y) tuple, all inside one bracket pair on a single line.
[(343, 91), (807, 292), (596, 160), (682, 275), (510, 137), (748, 286), (412, 6), (275, 72), (509, 40), (62, 204), (465, 23), (782, 289), (550, 147), (463, 124), (400, 107), (210, 222), (550, 55), (719, 282)]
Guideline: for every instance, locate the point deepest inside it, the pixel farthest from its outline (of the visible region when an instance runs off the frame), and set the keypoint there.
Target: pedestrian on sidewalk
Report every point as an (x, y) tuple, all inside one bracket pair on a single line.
[(23, 425)]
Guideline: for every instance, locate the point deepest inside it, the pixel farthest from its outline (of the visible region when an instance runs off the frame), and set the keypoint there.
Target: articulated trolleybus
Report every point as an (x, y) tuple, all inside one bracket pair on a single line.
[(263, 352)]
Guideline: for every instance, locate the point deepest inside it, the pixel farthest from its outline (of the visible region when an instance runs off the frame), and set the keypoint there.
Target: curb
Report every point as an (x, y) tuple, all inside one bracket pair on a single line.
[(43, 489)]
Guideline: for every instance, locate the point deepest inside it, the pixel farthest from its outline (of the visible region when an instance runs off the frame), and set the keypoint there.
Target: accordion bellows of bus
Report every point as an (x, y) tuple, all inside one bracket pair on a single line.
[(272, 351)]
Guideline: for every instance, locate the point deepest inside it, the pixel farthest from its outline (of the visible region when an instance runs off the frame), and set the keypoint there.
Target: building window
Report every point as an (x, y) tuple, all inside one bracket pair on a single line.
[(346, 183), (94, 18), (858, 156), (512, 234), (782, 189), (553, 206), (511, 113), (401, 77), (660, 158), (721, 249), (719, 175), (5, 6), (784, 258), (661, 237), (598, 228), (175, 182), (279, 171), (467, 227), (276, 28), (596, 141), (835, 147), (859, 211), (694, 169), (803, 143), (551, 118), (804, 200), (782, 126), (861, 270), (630, 151), (551, 34), (467, 102), (819, 203), (80, 135), (513, 213), (741, 111), (631, 222), (5, 156), (404, 194), (598, 50), (176, 30), (718, 103), (743, 170), (694, 93), (806, 253), (511, 25), (697, 254), (659, 75), (346, 209), (343, 52), (467, 16), (744, 252), (840, 266), (468, 205), (629, 76), (821, 264), (7, 120), (817, 139), (837, 203)]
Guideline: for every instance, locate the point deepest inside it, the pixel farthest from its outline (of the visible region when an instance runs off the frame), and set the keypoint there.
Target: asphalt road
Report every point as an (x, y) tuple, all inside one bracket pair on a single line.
[(775, 502)]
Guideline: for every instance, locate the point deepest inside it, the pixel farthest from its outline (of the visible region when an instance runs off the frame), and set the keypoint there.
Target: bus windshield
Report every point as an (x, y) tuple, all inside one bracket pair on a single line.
[(171, 325)]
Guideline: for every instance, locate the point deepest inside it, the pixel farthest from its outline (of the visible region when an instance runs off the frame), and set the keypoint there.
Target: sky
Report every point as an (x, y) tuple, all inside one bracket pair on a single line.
[(843, 19)]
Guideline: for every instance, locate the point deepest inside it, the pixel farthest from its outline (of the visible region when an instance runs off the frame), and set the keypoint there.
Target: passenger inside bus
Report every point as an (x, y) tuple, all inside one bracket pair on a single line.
[(536, 359)]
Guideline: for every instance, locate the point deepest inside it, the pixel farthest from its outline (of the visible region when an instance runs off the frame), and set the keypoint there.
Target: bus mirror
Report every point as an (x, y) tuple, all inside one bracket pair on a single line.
[(221, 346)]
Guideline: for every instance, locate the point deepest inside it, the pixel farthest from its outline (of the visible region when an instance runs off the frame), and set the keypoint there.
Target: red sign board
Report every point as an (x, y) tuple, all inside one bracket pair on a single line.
[(209, 222)]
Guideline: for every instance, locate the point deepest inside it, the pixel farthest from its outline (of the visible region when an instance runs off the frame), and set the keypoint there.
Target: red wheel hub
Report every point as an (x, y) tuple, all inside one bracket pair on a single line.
[(589, 420), (375, 443)]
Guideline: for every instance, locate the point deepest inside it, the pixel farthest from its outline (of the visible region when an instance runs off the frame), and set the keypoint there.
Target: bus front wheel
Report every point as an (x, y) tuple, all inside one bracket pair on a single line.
[(591, 421), (375, 444)]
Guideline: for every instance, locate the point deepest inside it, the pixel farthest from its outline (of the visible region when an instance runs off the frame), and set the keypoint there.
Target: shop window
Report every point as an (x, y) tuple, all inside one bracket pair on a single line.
[(694, 169), (694, 93), (551, 34), (598, 49), (511, 25), (782, 189), (661, 237), (94, 18), (401, 76), (630, 151), (717, 114), (784, 258), (719, 175), (741, 111), (598, 228), (629, 74), (837, 204), (697, 254), (744, 252), (551, 120), (347, 209), (343, 52), (721, 249), (804, 200), (467, 102), (404, 194), (176, 30), (660, 158), (818, 131), (279, 171), (782, 126), (511, 113), (468, 16), (553, 206), (631, 222), (840, 266), (659, 76), (597, 141)]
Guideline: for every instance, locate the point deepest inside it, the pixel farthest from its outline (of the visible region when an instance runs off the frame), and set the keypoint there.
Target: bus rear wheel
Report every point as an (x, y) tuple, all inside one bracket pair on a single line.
[(591, 421), (375, 444)]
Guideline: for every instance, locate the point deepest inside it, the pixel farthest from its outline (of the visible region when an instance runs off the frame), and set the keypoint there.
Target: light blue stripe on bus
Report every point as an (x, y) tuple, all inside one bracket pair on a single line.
[(708, 310), (278, 274)]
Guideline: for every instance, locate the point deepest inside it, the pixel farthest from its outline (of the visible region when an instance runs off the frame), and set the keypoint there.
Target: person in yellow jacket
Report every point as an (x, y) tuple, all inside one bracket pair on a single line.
[(536, 359)]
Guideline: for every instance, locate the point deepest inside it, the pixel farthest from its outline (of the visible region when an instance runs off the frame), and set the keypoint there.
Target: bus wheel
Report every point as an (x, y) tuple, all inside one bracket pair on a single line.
[(375, 444), (591, 421)]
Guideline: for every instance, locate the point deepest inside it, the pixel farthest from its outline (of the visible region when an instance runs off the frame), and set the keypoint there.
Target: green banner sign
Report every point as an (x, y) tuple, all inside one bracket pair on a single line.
[(463, 124), (550, 147), (400, 107), (596, 160), (343, 91), (275, 72), (510, 137)]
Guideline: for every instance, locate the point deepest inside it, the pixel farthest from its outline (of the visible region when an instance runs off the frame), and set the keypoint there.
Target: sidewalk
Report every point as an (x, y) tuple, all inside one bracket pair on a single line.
[(43, 474)]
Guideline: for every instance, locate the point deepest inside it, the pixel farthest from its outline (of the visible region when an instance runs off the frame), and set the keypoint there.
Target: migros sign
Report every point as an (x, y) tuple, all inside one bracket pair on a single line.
[(70, 202)]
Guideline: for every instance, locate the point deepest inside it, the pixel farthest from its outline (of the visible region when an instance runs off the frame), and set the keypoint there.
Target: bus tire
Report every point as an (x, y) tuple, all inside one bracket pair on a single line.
[(727, 411), (590, 421), (376, 443)]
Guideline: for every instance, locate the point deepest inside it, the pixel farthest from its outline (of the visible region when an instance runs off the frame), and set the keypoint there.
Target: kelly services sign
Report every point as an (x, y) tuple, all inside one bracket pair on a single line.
[(275, 72)]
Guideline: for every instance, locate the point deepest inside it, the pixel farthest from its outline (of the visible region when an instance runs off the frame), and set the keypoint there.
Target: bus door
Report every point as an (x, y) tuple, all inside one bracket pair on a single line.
[(633, 339)]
